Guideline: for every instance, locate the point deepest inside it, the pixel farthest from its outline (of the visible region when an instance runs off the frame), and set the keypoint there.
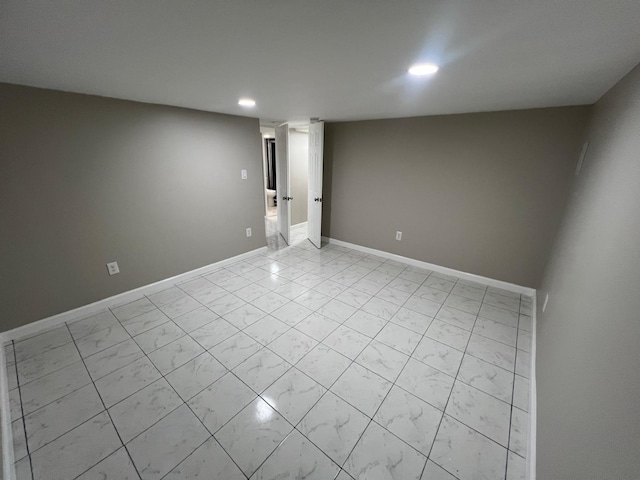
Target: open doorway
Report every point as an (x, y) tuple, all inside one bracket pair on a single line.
[(298, 182), (288, 174)]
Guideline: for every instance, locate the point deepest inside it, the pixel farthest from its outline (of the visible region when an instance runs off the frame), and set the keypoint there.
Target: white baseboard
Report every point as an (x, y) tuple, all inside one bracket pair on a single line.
[(8, 468), (533, 404), (300, 225), (120, 299), (436, 268)]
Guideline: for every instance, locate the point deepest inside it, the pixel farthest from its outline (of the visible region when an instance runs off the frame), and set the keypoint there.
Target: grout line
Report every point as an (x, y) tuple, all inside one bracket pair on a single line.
[(106, 410), (291, 252), (24, 424), (449, 397)]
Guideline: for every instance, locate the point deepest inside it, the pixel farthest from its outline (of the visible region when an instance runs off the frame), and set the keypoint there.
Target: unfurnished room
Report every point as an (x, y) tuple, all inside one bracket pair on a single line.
[(319, 240)]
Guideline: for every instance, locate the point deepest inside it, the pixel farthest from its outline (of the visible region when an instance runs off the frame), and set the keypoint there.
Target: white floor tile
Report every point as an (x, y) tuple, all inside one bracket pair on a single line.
[(57, 418), (126, 381), (207, 461), (409, 418), (261, 370), (252, 435), (117, 465), (175, 354), (438, 355), (76, 451), (135, 414), (334, 426), (379, 455), (468, 454), (196, 375), (426, 383), (293, 395), (292, 345), (323, 365), (383, 360), (484, 376), (166, 444), (480, 411), (297, 457), (362, 388), (218, 403)]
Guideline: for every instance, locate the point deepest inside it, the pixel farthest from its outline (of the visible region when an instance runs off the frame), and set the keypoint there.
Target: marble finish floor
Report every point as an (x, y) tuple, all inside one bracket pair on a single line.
[(299, 363)]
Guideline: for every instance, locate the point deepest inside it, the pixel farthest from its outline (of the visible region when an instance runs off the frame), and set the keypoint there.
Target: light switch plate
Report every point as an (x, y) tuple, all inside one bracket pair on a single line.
[(243, 174), (249, 232), (113, 268)]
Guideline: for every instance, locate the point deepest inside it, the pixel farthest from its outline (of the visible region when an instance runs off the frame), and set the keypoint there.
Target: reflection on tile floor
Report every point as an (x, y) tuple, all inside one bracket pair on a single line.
[(299, 363)]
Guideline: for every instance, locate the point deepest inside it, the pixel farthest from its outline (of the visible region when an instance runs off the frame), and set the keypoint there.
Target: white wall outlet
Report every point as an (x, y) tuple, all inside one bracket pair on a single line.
[(248, 232), (546, 299), (243, 174), (113, 268), (398, 236)]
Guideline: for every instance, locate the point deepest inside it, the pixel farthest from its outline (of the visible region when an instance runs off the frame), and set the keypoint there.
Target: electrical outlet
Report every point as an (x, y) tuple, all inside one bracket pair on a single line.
[(248, 232), (243, 174), (113, 268), (546, 299), (398, 236)]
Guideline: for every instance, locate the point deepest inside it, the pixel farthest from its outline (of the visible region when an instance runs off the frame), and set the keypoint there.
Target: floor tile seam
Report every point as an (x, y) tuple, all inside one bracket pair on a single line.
[(35, 356), (24, 424), (495, 320), (502, 307), (503, 343), (184, 402), (187, 402), (451, 391), (493, 339), (158, 305), (373, 416), (142, 297), (14, 342), (283, 440), (157, 421), (57, 399), (195, 291), (454, 476), (260, 395), (46, 375), (513, 389), (475, 430), (211, 437), (65, 432), (105, 458), (448, 399), (104, 405)]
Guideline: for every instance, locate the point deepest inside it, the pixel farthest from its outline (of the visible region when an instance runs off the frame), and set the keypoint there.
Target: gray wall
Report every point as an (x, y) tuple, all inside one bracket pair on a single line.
[(588, 367), (299, 175), (482, 193), (86, 180)]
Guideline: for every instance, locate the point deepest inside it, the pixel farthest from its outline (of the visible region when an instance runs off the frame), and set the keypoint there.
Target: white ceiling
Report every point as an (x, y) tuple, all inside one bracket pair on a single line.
[(333, 59)]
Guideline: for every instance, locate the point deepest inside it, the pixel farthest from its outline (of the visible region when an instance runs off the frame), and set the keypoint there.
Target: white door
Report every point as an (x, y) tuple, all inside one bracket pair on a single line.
[(314, 211), (282, 181)]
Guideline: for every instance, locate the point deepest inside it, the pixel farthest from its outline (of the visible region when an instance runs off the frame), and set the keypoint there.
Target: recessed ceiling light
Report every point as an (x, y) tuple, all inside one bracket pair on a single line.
[(423, 69), (247, 102)]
